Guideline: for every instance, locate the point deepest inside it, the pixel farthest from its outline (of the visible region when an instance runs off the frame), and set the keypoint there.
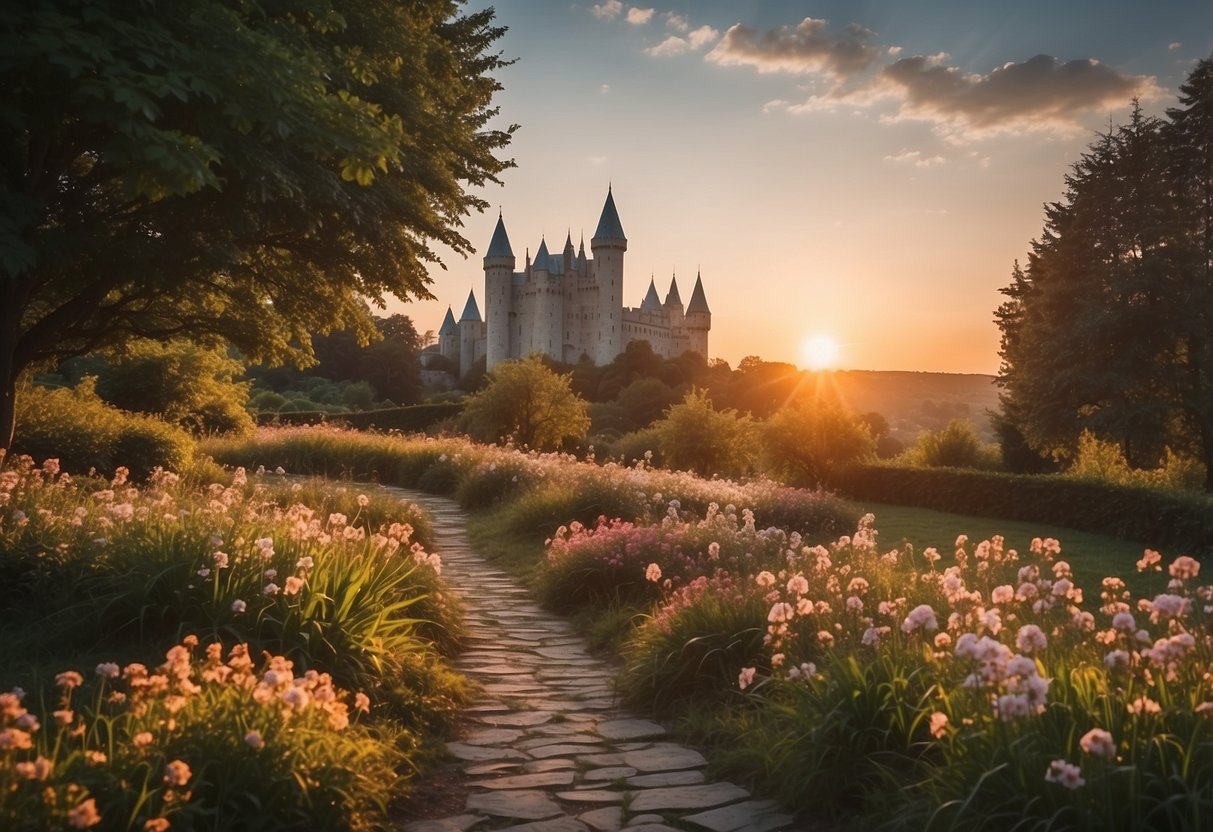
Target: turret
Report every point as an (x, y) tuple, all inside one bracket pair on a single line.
[(498, 285), (673, 303), (699, 318), (651, 302), (569, 255), (608, 245), (548, 322), (469, 330), (448, 338)]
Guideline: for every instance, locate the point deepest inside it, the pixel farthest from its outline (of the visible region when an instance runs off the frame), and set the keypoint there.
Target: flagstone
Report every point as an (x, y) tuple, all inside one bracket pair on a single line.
[(665, 757), (458, 823), (687, 797), (606, 819), (523, 805), (630, 729), (483, 753), (527, 781), (688, 777)]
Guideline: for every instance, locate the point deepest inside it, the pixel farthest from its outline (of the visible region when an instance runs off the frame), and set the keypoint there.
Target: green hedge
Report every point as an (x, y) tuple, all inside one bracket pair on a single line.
[(405, 419), (1177, 522)]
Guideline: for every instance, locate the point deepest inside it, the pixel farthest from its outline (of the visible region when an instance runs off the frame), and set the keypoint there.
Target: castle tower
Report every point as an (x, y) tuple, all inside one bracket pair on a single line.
[(470, 327), (548, 322), (498, 285), (448, 338), (698, 319), (673, 303), (608, 245)]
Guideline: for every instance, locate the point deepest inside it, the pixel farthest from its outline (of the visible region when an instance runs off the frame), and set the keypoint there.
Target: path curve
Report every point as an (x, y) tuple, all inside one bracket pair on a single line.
[(546, 749)]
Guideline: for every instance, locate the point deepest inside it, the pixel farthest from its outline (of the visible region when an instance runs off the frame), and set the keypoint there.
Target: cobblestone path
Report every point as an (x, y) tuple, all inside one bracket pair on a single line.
[(546, 749)]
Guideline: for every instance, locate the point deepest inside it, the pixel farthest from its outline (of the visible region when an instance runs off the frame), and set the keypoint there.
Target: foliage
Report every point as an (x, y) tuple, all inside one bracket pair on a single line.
[(190, 386), (695, 436), (330, 581), (1105, 462), (218, 741), (84, 433), (164, 180), (526, 403), (413, 419), (955, 446), (1109, 327), (1177, 520), (803, 440)]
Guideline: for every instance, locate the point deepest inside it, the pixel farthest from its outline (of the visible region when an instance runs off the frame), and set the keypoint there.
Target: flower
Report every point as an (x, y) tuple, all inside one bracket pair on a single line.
[(156, 825), (921, 617), (652, 573), (177, 773), (765, 579), (69, 679), (84, 815), (238, 606), (939, 725), (362, 702), (253, 740), (746, 677), (1184, 567), (293, 585), (1064, 774), (270, 589), (1098, 743), (109, 670), (142, 739), (1030, 639)]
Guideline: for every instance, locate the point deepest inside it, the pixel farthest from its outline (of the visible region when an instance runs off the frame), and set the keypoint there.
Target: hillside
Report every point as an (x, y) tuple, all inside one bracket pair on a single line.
[(914, 402)]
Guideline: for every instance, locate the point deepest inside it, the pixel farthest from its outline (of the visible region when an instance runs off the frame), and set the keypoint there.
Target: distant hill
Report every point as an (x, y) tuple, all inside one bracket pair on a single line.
[(915, 402)]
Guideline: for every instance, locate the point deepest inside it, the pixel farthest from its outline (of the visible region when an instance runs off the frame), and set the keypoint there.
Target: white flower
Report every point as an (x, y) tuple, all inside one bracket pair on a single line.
[(745, 677), (238, 606), (1064, 774), (1098, 743)]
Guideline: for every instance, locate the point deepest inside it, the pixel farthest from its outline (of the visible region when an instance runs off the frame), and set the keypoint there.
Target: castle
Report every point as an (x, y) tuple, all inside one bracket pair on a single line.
[(566, 306)]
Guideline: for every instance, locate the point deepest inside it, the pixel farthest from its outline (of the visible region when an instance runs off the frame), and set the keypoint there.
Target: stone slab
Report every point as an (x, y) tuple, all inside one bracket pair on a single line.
[(492, 736), (554, 825), (630, 729), (527, 781), (610, 773), (751, 813), (606, 819), (561, 750), (483, 753), (458, 823), (703, 796), (688, 777), (591, 796), (664, 757), (523, 805)]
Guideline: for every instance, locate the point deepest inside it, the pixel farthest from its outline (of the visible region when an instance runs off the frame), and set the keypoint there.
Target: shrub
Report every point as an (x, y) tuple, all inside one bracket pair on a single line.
[(642, 445), (83, 433), (955, 446), (695, 436), (1175, 520), (527, 403), (803, 440), (1103, 461)]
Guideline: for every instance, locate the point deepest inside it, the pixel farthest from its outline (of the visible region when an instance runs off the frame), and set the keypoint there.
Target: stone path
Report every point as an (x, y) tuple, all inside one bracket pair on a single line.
[(546, 749)]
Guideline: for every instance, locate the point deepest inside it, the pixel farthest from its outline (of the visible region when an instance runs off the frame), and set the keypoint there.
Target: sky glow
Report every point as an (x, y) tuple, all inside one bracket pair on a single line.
[(869, 170)]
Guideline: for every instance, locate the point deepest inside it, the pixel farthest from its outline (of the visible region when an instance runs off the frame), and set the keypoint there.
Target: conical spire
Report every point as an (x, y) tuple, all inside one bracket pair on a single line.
[(699, 303), (609, 227), (651, 302), (568, 241), (542, 257), (471, 312), (499, 246), (672, 297), (449, 327)]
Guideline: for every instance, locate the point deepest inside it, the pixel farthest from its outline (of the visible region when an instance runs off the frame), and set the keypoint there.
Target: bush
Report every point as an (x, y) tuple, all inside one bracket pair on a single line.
[(1181, 522), (83, 433), (1102, 461), (526, 403), (805, 439), (695, 436), (955, 446)]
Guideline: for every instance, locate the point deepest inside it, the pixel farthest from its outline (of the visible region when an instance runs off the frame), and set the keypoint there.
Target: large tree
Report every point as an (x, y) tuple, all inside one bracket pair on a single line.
[(1107, 329), (251, 170), (526, 403)]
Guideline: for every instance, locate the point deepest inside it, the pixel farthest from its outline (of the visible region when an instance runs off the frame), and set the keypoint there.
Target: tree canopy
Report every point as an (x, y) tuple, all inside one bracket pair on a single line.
[(256, 171), (1109, 327), (529, 404)]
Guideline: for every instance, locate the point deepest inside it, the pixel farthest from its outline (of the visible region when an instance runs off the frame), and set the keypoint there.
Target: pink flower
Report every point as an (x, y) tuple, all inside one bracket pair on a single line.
[(653, 573), (177, 773), (746, 677), (253, 740), (1098, 743), (1064, 774), (69, 679), (293, 585), (939, 725)]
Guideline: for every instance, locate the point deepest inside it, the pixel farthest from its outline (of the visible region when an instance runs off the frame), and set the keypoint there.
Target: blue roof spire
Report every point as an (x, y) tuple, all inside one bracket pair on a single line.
[(609, 227), (471, 312), (499, 246), (449, 327)]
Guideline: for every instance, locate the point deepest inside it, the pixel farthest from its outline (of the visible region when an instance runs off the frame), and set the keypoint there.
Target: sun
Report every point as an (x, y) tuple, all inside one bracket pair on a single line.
[(820, 352)]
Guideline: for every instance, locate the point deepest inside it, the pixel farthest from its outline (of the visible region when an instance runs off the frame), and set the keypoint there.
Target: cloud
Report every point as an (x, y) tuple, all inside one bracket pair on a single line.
[(607, 10), (1039, 93), (676, 22), (675, 45), (915, 158), (1174, 46), (604, 89), (775, 104), (806, 48), (638, 16)]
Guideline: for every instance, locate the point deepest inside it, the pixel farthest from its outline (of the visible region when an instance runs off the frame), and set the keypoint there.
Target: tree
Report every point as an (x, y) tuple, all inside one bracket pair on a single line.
[(526, 402), (1108, 328), (183, 383), (695, 436), (221, 168), (804, 440)]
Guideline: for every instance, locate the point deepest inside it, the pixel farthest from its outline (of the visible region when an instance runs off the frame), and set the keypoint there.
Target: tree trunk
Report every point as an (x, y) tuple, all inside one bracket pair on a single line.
[(8, 399)]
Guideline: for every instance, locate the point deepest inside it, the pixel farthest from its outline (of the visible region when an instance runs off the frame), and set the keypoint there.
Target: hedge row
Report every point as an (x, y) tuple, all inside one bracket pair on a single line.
[(405, 419), (1179, 523)]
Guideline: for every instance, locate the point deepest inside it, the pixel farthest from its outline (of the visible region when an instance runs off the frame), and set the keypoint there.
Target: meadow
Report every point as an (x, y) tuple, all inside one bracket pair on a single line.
[(962, 683)]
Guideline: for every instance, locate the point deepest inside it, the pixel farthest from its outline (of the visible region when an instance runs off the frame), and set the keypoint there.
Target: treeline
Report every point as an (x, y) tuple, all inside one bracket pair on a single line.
[(1107, 331)]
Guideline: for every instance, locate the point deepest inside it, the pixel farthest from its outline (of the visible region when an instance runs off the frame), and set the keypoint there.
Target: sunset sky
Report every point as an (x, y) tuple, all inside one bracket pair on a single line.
[(866, 171)]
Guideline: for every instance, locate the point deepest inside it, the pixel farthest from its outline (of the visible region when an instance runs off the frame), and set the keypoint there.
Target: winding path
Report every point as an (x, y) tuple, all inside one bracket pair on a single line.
[(545, 748)]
